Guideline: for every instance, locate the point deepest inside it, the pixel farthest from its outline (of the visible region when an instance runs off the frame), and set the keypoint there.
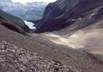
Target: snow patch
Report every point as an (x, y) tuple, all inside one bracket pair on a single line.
[(92, 15), (64, 41)]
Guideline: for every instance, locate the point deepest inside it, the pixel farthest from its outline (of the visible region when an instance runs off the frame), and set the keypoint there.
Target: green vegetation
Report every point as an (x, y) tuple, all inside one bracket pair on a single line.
[(12, 19), (10, 25), (57, 61)]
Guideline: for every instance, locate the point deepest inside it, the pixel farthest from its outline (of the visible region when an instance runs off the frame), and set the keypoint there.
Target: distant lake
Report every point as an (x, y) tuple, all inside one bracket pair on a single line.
[(30, 25)]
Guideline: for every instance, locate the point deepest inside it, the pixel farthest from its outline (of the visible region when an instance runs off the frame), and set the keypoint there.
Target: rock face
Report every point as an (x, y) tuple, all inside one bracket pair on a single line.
[(79, 24), (64, 13)]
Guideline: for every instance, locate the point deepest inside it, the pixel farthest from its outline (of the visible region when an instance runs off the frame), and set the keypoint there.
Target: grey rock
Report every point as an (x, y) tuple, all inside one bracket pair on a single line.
[(14, 59)]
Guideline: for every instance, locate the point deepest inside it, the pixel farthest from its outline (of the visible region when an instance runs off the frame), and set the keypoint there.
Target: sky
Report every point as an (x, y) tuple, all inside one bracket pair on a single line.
[(25, 1)]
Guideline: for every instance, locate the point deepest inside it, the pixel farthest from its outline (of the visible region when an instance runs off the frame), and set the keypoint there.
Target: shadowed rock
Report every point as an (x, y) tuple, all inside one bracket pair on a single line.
[(64, 13)]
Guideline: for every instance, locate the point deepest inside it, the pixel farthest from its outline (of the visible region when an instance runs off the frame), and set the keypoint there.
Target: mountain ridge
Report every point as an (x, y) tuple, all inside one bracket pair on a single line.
[(73, 37), (78, 26), (64, 13), (28, 11), (6, 1), (16, 20)]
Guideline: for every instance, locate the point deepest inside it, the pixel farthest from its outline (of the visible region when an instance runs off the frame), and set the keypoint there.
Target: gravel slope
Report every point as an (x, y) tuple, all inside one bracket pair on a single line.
[(86, 63), (14, 59)]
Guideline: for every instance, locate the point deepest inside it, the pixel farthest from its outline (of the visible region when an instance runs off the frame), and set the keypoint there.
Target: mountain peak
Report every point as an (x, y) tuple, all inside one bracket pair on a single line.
[(6, 1)]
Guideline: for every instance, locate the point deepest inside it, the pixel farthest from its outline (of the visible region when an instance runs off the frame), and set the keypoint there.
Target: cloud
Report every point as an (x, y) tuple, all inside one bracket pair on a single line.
[(25, 1)]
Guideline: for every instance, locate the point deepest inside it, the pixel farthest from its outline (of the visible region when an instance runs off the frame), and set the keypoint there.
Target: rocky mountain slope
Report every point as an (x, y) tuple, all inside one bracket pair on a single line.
[(28, 11), (79, 22), (15, 49), (64, 13), (77, 44), (17, 21), (14, 59), (73, 24), (10, 25)]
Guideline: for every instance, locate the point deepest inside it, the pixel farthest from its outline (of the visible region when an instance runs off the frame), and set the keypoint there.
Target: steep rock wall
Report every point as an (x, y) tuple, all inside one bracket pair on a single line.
[(63, 13)]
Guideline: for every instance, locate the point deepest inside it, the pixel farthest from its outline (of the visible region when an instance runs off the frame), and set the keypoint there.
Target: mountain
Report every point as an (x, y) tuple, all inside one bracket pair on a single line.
[(6, 1), (13, 23), (73, 24), (17, 49), (73, 40), (64, 13), (28, 11)]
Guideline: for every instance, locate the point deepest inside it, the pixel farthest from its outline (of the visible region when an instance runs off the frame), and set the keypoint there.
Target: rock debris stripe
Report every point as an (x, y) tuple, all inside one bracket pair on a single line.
[(14, 59)]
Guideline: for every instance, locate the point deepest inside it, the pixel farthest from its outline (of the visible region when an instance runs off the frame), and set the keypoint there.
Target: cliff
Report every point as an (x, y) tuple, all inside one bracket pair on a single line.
[(64, 13)]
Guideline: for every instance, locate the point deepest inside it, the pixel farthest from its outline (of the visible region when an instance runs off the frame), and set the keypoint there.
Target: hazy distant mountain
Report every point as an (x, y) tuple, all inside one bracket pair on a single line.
[(5, 1), (28, 11)]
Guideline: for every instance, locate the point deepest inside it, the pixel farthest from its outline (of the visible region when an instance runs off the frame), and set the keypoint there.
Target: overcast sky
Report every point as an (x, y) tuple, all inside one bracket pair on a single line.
[(25, 1)]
